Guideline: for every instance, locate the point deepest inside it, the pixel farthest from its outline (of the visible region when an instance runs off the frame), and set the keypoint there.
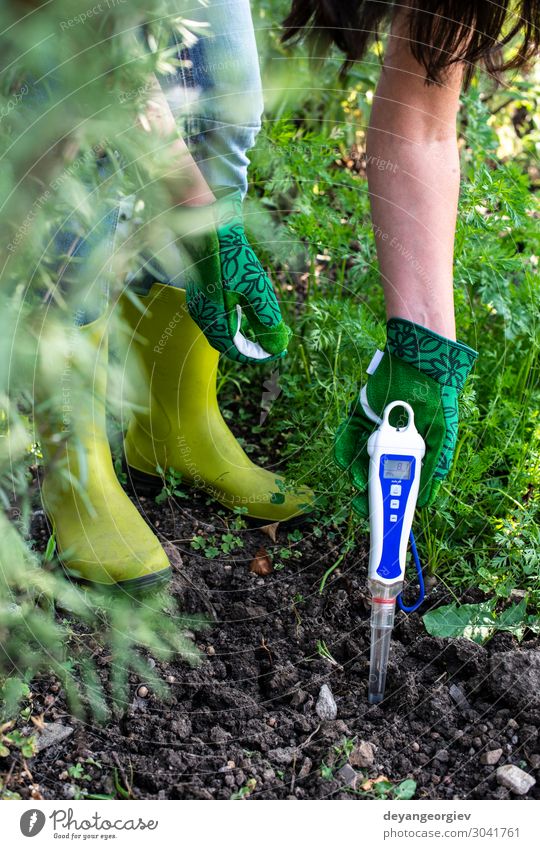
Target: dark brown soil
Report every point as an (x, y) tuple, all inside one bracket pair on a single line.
[(248, 712)]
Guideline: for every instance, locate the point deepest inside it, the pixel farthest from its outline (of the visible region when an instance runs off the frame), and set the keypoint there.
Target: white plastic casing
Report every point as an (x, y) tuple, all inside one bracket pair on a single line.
[(390, 526)]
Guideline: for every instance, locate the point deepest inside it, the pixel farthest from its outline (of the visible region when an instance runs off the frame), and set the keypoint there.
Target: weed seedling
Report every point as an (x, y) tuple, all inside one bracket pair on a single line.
[(326, 772), (13, 740), (171, 483), (324, 651), (344, 751), (246, 790)]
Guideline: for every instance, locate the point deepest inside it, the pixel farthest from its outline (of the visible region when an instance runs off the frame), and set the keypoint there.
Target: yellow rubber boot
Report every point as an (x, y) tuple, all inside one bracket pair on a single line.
[(176, 420), (100, 536)]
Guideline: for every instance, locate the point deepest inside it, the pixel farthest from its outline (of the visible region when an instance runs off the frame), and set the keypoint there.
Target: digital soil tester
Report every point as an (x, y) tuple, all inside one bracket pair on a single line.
[(395, 464)]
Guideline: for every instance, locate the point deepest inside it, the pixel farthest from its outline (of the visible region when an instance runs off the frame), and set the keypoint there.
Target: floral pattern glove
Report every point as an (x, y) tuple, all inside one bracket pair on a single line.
[(230, 287), (429, 372)]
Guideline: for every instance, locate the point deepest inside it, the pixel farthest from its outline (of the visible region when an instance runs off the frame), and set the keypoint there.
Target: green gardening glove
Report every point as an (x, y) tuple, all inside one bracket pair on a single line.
[(229, 290), (429, 372)]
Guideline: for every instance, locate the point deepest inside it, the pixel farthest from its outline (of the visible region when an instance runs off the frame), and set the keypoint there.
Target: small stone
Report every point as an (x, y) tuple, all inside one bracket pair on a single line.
[(348, 776), (534, 761), (283, 755), (170, 679), (271, 721), (268, 774), (305, 768), (151, 662), (442, 756), (52, 734), (515, 779), (231, 764), (142, 692), (458, 697), (326, 707), (210, 650), (415, 746), (492, 757), (70, 791), (363, 755)]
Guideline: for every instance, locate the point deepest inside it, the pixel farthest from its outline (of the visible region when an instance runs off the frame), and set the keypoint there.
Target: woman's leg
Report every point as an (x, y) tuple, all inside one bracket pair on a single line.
[(219, 94)]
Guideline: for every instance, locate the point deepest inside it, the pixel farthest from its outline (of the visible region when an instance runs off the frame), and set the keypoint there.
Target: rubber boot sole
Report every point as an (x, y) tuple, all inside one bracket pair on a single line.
[(132, 586)]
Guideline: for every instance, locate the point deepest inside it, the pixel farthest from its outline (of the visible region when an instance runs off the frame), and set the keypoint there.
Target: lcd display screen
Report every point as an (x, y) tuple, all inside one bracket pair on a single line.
[(397, 469)]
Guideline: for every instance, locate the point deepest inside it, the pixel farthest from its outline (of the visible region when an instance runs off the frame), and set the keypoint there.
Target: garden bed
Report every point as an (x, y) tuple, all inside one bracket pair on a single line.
[(244, 723)]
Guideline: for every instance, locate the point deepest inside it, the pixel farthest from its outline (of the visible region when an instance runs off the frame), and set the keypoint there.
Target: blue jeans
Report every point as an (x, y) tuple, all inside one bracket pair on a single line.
[(217, 98), (77, 255), (217, 101)]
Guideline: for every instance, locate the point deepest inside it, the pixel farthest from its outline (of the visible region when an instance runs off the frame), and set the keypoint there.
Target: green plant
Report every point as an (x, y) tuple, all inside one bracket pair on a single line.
[(171, 485), (343, 751), (77, 771), (324, 651), (382, 788), (229, 542), (6, 794), (12, 740), (246, 790), (326, 772), (124, 790), (480, 621), (214, 544)]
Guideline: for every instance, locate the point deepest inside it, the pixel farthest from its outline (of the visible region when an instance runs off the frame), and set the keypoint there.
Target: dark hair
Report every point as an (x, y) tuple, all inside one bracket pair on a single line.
[(441, 32)]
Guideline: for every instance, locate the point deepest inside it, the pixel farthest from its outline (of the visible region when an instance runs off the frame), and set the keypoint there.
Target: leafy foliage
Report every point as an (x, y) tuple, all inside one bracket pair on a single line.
[(73, 93), (479, 622), (308, 171)]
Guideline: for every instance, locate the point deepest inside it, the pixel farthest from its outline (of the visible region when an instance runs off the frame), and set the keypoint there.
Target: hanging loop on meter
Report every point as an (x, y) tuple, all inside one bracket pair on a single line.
[(410, 413)]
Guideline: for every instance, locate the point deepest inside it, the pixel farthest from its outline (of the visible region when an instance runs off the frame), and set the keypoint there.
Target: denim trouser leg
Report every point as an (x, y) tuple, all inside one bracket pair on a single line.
[(79, 254), (220, 95), (83, 265)]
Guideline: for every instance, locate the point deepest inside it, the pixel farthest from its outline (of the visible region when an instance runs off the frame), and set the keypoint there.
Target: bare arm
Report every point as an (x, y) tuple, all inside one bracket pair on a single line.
[(413, 176)]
